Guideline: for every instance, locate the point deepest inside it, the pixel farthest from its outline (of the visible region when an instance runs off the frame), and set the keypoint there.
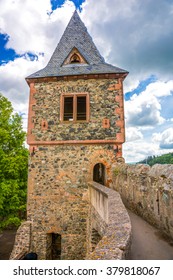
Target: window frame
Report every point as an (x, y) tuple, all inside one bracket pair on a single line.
[(73, 61), (74, 95)]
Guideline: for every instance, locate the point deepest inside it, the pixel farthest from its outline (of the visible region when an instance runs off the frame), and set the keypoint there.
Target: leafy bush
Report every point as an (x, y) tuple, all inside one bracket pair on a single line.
[(13, 166)]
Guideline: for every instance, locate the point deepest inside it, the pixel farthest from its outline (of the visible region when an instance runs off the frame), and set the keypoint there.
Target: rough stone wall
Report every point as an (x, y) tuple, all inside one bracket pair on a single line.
[(63, 158), (105, 98), (114, 227), (148, 191), (22, 241), (58, 195)]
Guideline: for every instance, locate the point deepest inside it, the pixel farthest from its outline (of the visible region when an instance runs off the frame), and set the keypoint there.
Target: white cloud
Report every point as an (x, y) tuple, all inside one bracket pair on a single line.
[(13, 84), (12, 77), (139, 150), (160, 88), (165, 139), (143, 118), (145, 109), (24, 20), (133, 134), (30, 29), (138, 34), (131, 84), (30, 26)]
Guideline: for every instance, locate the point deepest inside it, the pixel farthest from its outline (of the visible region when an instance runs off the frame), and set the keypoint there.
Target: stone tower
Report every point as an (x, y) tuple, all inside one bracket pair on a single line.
[(75, 135)]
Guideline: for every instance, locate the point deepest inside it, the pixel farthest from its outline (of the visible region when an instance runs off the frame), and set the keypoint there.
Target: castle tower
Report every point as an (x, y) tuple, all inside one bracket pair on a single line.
[(75, 135)]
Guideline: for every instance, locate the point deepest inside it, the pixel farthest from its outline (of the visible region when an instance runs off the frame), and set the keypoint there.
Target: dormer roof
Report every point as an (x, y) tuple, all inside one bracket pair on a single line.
[(76, 37)]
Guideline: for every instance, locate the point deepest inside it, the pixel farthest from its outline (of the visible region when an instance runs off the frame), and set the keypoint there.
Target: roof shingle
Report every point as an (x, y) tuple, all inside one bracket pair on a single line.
[(76, 36)]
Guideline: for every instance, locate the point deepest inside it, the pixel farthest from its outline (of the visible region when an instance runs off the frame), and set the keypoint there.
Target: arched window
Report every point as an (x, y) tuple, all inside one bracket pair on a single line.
[(99, 173), (75, 58)]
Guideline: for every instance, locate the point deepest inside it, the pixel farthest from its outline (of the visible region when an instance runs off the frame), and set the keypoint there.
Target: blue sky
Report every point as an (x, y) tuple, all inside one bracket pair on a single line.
[(9, 54), (135, 35), (58, 3), (5, 54)]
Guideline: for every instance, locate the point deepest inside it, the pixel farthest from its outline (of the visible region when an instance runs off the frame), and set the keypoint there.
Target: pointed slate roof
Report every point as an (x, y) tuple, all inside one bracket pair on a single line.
[(76, 36)]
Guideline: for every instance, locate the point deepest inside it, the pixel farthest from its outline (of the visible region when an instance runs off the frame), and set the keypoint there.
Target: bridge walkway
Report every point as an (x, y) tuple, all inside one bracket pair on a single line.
[(147, 241)]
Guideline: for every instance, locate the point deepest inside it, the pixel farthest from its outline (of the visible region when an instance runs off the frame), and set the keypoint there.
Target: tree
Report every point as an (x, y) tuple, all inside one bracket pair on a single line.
[(163, 159), (13, 166)]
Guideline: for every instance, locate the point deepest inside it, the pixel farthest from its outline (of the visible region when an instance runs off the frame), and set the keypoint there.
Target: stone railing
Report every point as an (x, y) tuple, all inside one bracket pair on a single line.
[(148, 191), (109, 218), (22, 241)]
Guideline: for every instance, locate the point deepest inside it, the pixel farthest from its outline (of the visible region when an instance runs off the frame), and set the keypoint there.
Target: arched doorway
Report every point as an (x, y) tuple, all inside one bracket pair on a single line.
[(53, 246), (99, 173), (56, 246)]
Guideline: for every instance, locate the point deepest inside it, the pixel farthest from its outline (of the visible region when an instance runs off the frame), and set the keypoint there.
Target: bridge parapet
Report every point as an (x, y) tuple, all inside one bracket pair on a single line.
[(109, 219)]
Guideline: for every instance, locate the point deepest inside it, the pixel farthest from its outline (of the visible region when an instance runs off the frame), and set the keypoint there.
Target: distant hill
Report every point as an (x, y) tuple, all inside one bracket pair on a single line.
[(163, 159)]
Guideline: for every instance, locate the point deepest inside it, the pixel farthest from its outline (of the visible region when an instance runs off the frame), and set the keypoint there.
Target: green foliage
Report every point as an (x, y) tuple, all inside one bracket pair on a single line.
[(11, 223), (163, 159), (13, 166)]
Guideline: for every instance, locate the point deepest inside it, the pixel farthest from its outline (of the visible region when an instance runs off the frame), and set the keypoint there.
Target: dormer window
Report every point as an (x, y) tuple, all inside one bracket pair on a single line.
[(75, 59)]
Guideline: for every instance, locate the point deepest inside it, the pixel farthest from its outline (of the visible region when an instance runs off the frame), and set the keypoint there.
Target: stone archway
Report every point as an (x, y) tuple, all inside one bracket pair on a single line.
[(99, 173)]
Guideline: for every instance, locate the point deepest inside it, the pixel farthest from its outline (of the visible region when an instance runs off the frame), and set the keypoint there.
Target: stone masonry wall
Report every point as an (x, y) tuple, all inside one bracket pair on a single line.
[(114, 226), (107, 216), (58, 195), (148, 191), (105, 101), (63, 156), (22, 241)]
